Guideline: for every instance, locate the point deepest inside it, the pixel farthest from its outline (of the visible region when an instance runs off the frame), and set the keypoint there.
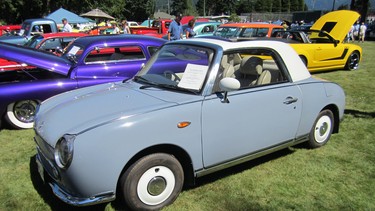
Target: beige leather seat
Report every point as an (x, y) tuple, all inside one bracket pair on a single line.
[(228, 69), (264, 78), (250, 69)]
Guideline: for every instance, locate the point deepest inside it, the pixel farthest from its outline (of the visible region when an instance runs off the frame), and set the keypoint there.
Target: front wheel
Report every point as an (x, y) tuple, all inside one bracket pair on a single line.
[(353, 61), (322, 129), (20, 115), (152, 182)]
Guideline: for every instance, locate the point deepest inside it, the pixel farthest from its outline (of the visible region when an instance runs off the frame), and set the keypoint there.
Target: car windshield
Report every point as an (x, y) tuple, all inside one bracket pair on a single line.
[(73, 51), (34, 41), (178, 67), (227, 32)]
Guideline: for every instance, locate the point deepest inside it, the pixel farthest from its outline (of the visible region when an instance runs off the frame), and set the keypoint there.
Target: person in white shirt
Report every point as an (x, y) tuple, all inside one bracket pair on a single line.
[(362, 32), (116, 29), (67, 27)]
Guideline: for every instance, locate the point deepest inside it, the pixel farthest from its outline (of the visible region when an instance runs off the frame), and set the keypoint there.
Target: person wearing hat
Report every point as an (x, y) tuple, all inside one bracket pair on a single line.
[(67, 27), (175, 29)]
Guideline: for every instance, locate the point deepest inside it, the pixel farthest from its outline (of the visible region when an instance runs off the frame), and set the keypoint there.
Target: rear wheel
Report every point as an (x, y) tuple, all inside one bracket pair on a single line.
[(353, 61), (322, 129), (152, 182), (21, 114)]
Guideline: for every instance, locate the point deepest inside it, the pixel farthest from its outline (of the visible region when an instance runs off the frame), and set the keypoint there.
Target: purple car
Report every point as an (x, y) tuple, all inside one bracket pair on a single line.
[(87, 61)]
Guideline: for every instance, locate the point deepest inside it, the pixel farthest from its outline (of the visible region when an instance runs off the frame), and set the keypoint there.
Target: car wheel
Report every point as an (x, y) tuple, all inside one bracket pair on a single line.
[(322, 129), (152, 182), (353, 61), (21, 114)]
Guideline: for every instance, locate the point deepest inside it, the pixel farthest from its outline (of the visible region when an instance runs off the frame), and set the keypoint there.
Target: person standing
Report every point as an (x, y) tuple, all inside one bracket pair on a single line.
[(126, 29), (116, 30), (175, 29), (362, 32), (190, 29), (67, 27), (356, 30)]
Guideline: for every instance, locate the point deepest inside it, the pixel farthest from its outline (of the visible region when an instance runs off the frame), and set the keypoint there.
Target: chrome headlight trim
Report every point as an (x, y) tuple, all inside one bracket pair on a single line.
[(64, 151)]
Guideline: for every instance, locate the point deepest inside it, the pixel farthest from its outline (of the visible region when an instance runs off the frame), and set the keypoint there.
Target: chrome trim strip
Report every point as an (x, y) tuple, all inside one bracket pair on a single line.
[(246, 158), (77, 201)]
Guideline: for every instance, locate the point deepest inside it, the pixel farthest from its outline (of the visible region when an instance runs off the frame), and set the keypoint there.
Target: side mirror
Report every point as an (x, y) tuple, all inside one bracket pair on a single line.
[(228, 85)]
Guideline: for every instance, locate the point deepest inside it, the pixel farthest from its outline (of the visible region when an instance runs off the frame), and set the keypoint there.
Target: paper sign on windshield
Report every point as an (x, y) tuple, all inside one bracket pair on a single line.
[(193, 77), (74, 50)]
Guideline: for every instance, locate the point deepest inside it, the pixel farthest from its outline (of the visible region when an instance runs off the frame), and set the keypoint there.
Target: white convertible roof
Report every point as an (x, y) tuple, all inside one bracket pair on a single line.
[(297, 69)]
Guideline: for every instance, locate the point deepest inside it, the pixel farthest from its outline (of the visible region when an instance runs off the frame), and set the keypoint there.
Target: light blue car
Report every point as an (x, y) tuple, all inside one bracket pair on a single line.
[(198, 106)]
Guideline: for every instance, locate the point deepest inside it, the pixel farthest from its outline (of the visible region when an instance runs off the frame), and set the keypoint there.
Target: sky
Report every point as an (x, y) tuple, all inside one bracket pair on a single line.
[(327, 4)]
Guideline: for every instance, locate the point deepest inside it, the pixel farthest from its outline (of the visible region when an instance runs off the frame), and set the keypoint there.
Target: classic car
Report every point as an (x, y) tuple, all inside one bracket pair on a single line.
[(51, 42), (29, 28), (200, 28), (327, 49), (197, 106), (87, 61), (246, 30), (8, 30)]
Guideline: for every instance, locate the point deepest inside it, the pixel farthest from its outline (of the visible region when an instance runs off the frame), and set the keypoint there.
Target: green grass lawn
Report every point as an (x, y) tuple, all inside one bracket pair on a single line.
[(338, 176)]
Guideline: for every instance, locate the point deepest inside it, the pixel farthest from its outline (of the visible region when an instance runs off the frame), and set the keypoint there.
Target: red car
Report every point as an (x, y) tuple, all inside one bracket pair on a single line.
[(9, 29), (51, 42)]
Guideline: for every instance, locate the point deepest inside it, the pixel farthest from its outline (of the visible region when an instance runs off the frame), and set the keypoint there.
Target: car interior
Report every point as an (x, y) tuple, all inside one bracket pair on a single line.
[(251, 70)]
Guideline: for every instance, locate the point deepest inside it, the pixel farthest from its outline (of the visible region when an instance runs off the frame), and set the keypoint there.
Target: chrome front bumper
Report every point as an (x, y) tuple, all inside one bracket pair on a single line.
[(67, 197)]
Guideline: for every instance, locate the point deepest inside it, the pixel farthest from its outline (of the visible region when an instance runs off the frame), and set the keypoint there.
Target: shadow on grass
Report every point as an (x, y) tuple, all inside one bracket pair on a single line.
[(47, 195), (359, 114), (241, 167)]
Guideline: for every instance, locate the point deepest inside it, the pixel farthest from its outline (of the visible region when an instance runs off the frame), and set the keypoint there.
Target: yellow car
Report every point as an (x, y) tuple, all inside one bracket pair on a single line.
[(326, 49)]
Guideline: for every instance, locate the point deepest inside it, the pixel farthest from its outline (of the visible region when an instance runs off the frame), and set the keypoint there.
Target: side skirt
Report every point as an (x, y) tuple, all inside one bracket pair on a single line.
[(203, 172)]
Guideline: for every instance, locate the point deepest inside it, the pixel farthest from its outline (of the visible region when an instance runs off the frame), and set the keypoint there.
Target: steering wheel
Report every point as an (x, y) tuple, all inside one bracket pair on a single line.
[(172, 76)]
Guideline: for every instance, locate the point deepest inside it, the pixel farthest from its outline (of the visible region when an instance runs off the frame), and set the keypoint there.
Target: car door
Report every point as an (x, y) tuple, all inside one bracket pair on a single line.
[(256, 118)]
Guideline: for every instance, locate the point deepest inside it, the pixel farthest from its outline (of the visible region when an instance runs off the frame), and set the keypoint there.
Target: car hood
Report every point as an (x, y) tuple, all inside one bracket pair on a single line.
[(36, 58), (336, 23), (77, 111), (14, 39)]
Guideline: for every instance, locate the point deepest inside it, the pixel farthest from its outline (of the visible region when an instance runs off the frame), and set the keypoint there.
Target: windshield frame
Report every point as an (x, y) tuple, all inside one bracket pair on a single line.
[(164, 68)]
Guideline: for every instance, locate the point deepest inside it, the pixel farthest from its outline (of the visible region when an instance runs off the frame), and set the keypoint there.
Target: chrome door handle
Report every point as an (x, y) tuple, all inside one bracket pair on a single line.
[(290, 100)]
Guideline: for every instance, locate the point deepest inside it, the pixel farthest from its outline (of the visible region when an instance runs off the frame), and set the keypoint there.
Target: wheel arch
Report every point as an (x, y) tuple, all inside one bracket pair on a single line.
[(336, 116), (180, 154)]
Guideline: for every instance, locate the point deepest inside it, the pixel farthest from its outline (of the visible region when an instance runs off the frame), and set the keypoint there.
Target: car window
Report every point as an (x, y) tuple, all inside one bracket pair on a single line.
[(34, 41), (66, 40), (254, 32), (51, 44), (179, 67), (226, 31), (112, 54), (318, 37), (152, 49), (252, 68)]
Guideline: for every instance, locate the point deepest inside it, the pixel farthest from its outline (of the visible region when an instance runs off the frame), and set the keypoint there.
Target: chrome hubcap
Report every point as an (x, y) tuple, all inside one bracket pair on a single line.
[(156, 186), (323, 129), (24, 111)]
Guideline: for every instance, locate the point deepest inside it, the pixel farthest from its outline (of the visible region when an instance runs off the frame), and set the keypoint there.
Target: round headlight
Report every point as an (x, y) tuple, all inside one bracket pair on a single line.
[(64, 151)]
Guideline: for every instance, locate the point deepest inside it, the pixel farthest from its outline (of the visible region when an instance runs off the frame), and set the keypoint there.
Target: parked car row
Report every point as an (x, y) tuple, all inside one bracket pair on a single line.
[(136, 117)]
